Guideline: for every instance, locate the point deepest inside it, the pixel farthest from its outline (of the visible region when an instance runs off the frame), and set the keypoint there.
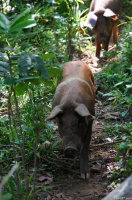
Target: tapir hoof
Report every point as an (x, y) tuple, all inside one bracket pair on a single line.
[(85, 176)]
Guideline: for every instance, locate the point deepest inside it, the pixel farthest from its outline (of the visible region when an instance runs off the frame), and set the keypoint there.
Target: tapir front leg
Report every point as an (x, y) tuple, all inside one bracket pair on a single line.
[(115, 34), (84, 158)]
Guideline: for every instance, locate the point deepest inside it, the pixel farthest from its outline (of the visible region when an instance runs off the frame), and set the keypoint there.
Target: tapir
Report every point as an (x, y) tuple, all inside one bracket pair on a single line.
[(73, 109), (103, 19)]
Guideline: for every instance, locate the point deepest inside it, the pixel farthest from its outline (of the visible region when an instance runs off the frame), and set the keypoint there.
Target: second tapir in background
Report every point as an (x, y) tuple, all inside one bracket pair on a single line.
[(103, 20), (73, 109)]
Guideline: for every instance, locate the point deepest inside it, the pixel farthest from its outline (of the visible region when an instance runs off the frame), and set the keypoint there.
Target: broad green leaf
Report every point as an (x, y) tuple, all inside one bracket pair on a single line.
[(122, 145), (23, 20), (20, 26), (48, 82), (4, 66), (20, 88), (38, 63), (19, 17), (2, 55), (120, 83), (29, 78), (24, 63), (7, 196), (4, 23), (4, 119), (1, 74), (38, 154), (55, 144), (6, 48), (47, 10), (111, 98), (129, 86), (33, 79), (80, 1), (108, 94), (31, 25), (124, 137), (4, 69), (25, 23), (48, 56), (36, 81), (124, 113), (9, 81), (54, 71)]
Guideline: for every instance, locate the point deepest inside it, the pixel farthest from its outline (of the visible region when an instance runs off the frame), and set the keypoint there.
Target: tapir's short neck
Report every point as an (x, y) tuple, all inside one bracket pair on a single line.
[(69, 80)]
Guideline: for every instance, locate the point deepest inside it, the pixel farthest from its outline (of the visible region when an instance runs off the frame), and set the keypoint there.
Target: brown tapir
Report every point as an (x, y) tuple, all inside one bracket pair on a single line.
[(73, 108), (103, 20)]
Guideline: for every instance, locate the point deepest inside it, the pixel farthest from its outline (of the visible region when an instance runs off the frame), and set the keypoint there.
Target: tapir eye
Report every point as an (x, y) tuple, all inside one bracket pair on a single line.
[(107, 19), (78, 119)]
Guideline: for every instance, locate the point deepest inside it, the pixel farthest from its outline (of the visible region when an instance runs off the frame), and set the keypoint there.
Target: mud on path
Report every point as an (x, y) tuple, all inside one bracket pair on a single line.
[(67, 184)]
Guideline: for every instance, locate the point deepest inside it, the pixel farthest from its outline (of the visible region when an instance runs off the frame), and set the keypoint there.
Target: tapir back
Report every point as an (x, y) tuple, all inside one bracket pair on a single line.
[(78, 69), (76, 86), (114, 5)]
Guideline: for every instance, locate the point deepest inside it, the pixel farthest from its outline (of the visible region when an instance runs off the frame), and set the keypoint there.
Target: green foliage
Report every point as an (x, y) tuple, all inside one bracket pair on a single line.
[(7, 196), (23, 20), (26, 90), (71, 17), (116, 79), (122, 132)]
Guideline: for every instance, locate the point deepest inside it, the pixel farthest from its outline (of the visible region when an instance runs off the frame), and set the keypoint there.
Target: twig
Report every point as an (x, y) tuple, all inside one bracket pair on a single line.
[(104, 144), (60, 166), (17, 147), (6, 178)]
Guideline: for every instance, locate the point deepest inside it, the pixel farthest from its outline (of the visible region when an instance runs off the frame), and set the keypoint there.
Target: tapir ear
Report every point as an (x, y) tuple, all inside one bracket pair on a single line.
[(110, 13), (91, 20), (83, 111), (56, 111)]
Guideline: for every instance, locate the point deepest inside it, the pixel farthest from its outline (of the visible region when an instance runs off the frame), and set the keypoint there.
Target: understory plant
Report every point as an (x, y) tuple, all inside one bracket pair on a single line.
[(115, 82), (26, 85)]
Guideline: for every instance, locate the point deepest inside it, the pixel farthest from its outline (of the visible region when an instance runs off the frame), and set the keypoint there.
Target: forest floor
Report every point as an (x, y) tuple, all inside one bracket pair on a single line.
[(67, 184)]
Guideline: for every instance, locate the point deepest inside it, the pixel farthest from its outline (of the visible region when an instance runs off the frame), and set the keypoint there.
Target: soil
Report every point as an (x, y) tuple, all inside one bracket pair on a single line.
[(66, 183)]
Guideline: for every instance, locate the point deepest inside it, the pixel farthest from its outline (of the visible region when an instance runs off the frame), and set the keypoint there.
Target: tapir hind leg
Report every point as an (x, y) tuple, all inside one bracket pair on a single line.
[(84, 158), (115, 34)]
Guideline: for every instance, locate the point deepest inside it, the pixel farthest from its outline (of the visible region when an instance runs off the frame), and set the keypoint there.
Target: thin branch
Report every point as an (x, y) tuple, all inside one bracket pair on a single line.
[(106, 143), (6, 178), (22, 144)]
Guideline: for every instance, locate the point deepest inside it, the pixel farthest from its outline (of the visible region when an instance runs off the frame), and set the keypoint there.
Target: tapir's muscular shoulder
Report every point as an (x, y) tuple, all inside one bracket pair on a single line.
[(80, 70)]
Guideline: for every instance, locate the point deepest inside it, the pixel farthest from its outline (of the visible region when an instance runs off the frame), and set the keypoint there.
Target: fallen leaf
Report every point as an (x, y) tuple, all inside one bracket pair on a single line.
[(47, 179), (48, 197), (60, 195), (99, 103), (42, 178), (108, 139)]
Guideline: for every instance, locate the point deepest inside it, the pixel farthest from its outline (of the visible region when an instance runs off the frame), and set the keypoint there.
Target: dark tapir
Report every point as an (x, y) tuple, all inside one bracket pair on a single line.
[(73, 108), (103, 19)]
